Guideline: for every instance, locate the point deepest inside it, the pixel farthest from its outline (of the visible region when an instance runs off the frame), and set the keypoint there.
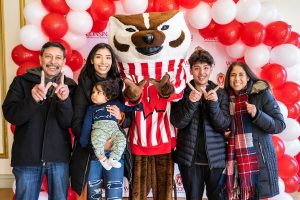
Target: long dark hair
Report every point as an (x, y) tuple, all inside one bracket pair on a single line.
[(252, 76), (88, 71)]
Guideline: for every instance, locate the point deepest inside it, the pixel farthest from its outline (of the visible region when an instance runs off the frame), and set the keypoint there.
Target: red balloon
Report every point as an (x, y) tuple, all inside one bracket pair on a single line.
[(165, 5), (67, 47), (12, 128), (293, 110), (102, 10), (45, 184), (76, 61), (99, 26), (210, 1), (228, 34), (279, 146), (288, 93), (292, 184), (188, 4), (54, 25), (20, 55), (294, 39), (253, 33), (150, 7), (210, 31), (277, 33), (274, 73), (56, 6), (25, 66), (71, 194), (287, 166)]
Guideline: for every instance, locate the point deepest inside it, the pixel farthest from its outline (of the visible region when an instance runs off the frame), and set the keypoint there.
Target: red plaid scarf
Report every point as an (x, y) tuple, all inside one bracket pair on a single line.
[(242, 161)]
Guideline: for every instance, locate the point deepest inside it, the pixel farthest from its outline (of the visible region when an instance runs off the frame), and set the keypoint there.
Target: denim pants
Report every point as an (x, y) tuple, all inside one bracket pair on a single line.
[(29, 180), (113, 181)]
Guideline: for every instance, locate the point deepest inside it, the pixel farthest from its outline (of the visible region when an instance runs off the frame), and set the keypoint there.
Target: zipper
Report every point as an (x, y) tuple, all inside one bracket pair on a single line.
[(86, 168), (262, 155)]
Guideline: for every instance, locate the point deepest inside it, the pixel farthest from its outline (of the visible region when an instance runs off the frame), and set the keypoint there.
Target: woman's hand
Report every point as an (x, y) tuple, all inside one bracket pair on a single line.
[(109, 142), (115, 111), (251, 109)]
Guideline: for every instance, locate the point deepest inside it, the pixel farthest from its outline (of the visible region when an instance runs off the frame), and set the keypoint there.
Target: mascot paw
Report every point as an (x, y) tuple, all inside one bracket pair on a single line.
[(164, 87), (133, 91)]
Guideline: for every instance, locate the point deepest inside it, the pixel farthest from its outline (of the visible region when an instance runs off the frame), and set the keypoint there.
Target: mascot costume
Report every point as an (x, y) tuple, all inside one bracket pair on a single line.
[(150, 49)]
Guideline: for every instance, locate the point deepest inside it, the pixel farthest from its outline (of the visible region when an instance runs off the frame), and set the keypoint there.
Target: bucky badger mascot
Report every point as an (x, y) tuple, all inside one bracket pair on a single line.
[(150, 49)]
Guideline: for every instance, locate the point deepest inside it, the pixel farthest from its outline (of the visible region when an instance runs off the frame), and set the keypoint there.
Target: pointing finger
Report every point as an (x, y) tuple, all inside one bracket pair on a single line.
[(192, 88), (216, 88), (62, 78), (42, 78)]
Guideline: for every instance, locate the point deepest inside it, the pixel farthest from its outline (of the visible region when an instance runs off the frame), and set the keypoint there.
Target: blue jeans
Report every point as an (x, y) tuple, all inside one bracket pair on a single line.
[(29, 181), (113, 181)]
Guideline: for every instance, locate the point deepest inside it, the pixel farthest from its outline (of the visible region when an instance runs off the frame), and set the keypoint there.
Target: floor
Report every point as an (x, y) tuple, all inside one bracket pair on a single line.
[(7, 194)]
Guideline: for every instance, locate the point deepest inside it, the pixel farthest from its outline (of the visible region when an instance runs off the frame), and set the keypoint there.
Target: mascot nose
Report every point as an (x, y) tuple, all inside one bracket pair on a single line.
[(148, 38)]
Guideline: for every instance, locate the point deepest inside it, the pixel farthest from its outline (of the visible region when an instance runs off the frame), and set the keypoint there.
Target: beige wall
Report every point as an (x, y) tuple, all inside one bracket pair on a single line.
[(12, 25)]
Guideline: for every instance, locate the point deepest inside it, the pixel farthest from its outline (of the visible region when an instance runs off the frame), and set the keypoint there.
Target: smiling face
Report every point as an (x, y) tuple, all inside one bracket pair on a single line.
[(102, 62), (201, 72), (52, 61), (238, 79)]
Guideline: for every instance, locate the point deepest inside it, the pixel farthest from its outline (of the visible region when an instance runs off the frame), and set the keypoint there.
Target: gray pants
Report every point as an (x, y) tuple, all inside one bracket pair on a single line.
[(102, 131)]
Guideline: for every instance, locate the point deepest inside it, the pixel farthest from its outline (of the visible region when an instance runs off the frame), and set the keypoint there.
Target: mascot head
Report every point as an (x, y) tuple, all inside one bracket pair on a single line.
[(149, 37)]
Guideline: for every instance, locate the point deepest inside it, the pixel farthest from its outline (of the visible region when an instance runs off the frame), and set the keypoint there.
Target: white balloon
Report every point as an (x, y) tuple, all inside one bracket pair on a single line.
[(258, 56), (292, 130), (282, 196), (34, 12), (237, 50), (79, 22), (292, 148), (293, 73), (134, 6), (32, 37), (268, 13), (286, 55), (281, 185), (78, 5), (74, 40), (283, 109), (247, 10), (200, 16), (43, 196), (67, 71), (223, 11)]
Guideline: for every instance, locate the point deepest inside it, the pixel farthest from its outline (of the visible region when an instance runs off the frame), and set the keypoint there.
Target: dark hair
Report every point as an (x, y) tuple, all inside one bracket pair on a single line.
[(88, 69), (53, 44), (202, 56), (252, 76), (110, 88)]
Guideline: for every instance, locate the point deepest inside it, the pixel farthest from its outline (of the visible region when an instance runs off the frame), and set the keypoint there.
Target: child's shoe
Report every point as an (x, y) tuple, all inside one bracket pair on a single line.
[(114, 163), (105, 163)]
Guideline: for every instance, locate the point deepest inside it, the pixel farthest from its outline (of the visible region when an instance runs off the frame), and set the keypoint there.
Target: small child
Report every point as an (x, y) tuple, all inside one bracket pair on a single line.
[(100, 125)]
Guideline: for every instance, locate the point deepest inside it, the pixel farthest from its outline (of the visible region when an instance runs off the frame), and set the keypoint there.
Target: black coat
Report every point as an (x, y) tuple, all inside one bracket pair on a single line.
[(79, 168), (185, 115), (41, 133)]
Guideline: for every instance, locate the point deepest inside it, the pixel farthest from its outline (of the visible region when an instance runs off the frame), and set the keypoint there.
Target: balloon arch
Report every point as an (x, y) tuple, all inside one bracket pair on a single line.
[(247, 30)]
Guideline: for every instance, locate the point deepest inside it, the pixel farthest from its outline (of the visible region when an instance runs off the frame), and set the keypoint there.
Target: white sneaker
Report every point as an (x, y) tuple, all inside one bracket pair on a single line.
[(105, 163), (114, 163)]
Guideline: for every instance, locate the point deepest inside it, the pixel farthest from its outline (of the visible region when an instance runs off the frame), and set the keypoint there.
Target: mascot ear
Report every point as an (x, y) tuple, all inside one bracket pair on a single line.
[(164, 86)]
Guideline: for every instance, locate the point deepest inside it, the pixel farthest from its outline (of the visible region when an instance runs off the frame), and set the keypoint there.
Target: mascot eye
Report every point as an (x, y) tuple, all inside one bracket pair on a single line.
[(164, 27), (130, 29)]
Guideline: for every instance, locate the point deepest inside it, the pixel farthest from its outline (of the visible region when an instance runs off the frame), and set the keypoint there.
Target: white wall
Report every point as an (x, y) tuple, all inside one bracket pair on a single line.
[(287, 9)]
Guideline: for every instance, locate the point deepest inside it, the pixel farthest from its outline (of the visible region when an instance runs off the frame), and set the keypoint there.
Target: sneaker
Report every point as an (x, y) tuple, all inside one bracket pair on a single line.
[(114, 163), (105, 163)]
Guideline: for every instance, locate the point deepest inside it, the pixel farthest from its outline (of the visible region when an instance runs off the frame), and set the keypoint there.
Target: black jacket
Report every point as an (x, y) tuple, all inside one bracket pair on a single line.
[(41, 133), (79, 167), (215, 119)]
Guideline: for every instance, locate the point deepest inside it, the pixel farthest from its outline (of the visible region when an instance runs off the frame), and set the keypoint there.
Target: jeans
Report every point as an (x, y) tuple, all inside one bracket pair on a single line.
[(113, 181), (29, 180)]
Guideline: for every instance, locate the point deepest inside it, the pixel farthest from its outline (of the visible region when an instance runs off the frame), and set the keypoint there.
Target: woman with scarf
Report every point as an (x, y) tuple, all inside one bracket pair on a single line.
[(252, 172)]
